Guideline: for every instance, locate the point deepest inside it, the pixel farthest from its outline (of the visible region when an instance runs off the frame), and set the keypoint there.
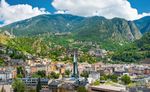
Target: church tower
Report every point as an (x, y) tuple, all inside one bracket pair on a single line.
[(75, 66)]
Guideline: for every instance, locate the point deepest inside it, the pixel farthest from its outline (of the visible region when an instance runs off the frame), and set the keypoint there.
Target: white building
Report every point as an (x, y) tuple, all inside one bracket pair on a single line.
[(5, 75), (93, 76)]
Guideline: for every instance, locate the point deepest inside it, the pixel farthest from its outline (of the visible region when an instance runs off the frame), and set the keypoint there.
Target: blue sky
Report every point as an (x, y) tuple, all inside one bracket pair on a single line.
[(16, 10), (35, 3), (1, 22), (140, 5)]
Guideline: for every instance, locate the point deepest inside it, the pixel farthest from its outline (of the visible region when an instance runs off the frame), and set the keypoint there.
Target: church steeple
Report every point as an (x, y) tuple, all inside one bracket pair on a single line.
[(75, 66)]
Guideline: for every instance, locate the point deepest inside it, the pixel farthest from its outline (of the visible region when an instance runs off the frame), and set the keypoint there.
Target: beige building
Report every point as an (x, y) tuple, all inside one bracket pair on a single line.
[(7, 88)]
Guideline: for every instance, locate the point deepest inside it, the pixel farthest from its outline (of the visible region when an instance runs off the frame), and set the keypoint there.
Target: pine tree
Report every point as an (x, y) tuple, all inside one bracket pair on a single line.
[(18, 85), (38, 87)]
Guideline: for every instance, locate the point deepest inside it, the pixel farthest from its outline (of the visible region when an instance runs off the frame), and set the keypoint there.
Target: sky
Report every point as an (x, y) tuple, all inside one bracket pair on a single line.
[(16, 10)]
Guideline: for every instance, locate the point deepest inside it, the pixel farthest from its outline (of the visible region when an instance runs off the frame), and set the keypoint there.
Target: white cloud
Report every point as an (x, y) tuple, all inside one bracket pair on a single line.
[(106, 8), (13, 13), (60, 12)]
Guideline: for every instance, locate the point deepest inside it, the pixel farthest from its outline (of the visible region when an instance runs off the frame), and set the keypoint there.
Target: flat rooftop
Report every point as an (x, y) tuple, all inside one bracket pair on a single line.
[(108, 88)]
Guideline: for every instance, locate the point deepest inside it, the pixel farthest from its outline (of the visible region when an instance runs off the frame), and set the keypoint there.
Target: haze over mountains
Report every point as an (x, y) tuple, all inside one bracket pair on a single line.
[(143, 24), (83, 28)]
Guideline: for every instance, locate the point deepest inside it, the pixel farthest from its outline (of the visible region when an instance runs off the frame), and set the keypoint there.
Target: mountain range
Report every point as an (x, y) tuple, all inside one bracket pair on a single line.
[(52, 35), (94, 28), (143, 24)]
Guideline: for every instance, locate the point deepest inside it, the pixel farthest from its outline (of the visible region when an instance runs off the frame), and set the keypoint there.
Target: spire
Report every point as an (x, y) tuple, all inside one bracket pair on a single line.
[(75, 66), (74, 59)]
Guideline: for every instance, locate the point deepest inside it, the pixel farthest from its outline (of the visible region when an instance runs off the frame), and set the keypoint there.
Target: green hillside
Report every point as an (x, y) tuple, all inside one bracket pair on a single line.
[(144, 42), (137, 51), (82, 28), (50, 36)]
